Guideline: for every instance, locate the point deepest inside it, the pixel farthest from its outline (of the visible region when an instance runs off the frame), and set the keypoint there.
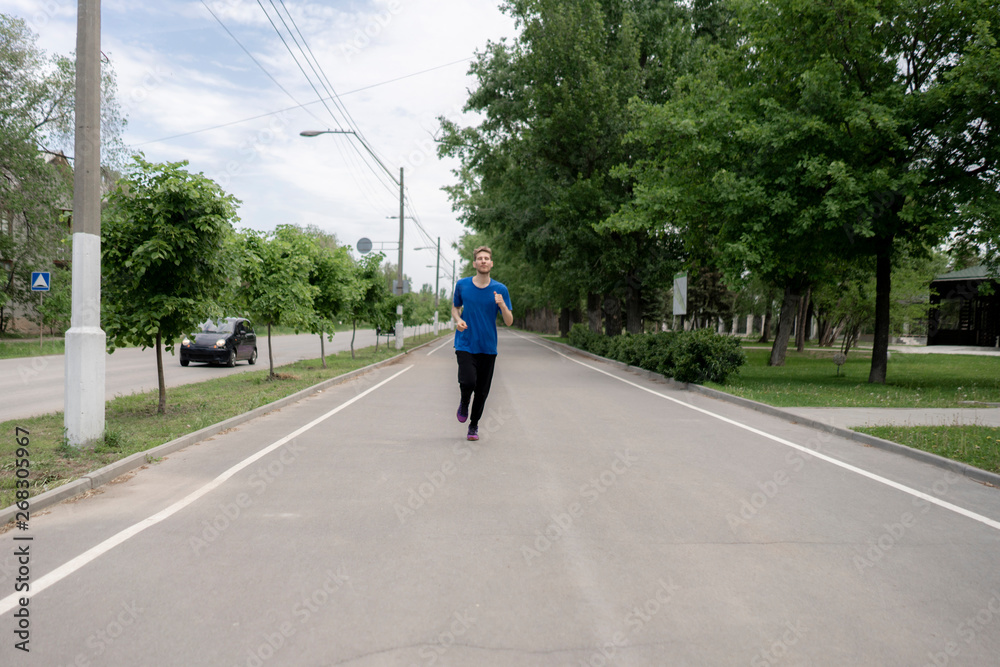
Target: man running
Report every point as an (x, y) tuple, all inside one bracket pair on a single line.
[(474, 308)]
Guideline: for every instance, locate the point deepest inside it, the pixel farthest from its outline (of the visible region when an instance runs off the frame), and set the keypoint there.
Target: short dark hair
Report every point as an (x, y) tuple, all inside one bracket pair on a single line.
[(482, 248)]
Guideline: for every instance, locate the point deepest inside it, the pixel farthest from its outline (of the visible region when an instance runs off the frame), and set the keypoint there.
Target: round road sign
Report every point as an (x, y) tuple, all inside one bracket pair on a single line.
[(364, 246)]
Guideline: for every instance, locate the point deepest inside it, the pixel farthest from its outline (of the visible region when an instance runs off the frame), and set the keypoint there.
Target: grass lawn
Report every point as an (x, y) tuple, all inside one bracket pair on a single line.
[(17, 348), (132, 425), (978, 446), (809, 379)]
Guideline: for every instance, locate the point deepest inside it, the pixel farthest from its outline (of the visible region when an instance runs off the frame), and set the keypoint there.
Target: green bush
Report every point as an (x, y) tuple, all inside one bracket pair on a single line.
[(687, 356), (703, 355)]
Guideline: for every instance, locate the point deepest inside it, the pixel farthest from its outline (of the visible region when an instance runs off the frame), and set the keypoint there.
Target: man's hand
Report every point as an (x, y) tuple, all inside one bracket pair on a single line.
[(461, 325), (508, 317)]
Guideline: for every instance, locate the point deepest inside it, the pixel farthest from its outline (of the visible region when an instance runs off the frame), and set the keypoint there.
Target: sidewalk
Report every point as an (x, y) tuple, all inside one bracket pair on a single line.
[(946, 349), (904, 349), (850, 417)]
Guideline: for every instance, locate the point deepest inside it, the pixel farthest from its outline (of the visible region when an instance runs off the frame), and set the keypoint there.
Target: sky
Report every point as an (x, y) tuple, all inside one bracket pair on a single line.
[(187, 89)]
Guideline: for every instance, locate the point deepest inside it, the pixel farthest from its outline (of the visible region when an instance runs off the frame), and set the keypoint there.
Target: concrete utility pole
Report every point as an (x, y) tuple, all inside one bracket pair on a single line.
[(399, 271), (85, 341), (437, 283)]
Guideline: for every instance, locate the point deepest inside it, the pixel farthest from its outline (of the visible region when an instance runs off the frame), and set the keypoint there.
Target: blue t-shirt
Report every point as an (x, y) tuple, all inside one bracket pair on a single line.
[(480, 313)]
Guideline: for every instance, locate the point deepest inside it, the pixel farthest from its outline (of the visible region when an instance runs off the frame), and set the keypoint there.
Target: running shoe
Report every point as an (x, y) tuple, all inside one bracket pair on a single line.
[(473, 433), (463, 412)]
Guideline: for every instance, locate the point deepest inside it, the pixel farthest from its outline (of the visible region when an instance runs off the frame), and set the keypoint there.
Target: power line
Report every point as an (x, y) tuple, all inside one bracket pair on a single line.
[(301, 106), (332, 96), (256, 62), (308, 79)]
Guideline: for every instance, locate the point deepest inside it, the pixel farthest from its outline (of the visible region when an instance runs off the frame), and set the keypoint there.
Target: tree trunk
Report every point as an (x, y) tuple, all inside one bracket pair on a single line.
[(322, 348), (594, 312), (883, 280), (270, 354), (765, 328), (835, 331), (633, 306), (564, 322), (785, 319), (803, 322), (354, 331), (810, 316), (612, 315), (162, 407)]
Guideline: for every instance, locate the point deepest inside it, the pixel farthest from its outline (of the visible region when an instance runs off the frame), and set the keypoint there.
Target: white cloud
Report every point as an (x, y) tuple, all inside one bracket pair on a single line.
[(180, 72)]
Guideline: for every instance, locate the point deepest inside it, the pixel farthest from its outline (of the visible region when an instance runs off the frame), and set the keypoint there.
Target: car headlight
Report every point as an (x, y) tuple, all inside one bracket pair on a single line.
[(186, 342), (220, 343)]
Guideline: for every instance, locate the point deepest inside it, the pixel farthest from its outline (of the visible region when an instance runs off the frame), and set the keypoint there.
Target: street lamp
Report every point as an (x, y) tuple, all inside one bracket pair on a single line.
[(437, 273), (399, 271)]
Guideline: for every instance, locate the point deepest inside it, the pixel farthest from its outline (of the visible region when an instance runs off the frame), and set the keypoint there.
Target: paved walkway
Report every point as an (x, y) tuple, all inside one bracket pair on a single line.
[(946, 349), (850, 417), (905, 349)]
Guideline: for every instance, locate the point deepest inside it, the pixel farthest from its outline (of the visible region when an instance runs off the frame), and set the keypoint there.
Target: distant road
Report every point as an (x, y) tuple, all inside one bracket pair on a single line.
[(35, 386)]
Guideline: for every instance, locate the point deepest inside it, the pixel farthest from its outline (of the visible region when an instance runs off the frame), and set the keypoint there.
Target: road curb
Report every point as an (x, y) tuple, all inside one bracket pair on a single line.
[(101, 476), (973, 473)]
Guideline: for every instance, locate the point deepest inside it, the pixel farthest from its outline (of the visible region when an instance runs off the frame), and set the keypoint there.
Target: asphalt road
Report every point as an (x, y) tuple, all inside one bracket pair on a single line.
[(36, 385), (603, 519)]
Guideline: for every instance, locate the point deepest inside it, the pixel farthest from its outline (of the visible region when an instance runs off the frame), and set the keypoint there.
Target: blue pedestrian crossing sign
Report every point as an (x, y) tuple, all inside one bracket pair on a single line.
[(40, 281)]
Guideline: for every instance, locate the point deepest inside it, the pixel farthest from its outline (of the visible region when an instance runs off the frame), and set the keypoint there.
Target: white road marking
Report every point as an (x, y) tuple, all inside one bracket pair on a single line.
[(444, 344), (107, 545), (846, 466)]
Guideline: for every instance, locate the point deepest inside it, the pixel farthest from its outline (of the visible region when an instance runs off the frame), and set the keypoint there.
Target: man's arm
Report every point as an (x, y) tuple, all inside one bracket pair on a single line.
[(508, 317), (456, 315)]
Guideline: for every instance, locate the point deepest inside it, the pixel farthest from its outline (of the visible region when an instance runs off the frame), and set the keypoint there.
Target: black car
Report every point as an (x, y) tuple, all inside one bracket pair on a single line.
[(224, 342)]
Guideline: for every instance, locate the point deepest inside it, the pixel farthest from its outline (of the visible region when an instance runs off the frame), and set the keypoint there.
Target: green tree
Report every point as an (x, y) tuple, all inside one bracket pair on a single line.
[(275, 287), (36, 122), (331, 276), (844, 129), (370, 300), (163, 239), (534, 176)]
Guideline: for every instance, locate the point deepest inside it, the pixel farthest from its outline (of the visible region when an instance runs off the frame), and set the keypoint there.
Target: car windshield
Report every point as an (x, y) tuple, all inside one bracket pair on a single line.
[(225, 326)]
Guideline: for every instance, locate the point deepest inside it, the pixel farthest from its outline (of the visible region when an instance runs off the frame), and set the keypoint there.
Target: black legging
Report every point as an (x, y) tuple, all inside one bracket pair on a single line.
[(475, 375)]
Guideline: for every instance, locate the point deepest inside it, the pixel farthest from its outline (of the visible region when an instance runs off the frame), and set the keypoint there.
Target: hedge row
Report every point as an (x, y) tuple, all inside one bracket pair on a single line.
[(687, 356)]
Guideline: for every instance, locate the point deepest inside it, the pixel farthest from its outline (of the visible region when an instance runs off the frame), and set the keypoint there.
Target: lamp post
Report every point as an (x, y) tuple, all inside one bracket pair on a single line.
[(437, 275), (399, 270)]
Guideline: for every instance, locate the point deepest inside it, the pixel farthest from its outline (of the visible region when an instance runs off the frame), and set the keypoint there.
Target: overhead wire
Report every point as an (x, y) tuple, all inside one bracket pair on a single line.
[(331, 95), (329, 86), (295, 58), (319, 95), (256, 62), (303, 105)]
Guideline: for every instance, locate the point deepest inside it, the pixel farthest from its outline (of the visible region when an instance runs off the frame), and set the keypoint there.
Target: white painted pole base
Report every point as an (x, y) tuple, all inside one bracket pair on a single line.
[(399, 327), (85, 346), (436, 323), (84, 412)]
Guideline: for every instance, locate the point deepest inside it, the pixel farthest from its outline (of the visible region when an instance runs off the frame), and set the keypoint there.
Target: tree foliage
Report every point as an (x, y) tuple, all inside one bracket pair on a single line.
[(831, 130), (163, 242), (36, 127), (163, 238), (370, 299), (274, 281)]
